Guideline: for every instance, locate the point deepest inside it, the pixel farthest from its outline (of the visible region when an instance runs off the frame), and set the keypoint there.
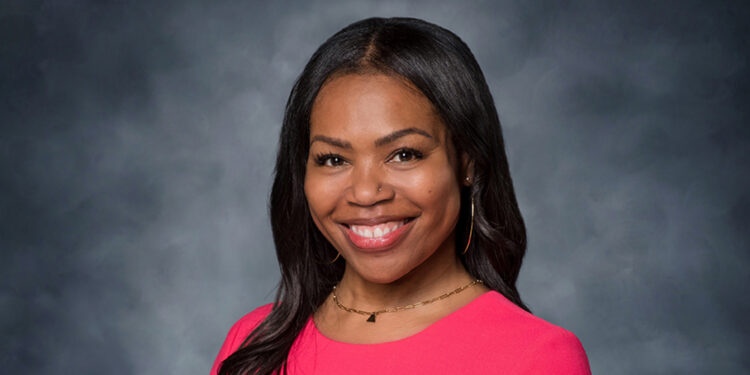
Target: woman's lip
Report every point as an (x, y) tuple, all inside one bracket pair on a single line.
[(375, 220), (384, 242)]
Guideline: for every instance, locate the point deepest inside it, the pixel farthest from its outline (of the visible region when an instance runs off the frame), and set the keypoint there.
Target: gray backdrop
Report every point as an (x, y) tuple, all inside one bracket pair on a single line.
[(138, 142)]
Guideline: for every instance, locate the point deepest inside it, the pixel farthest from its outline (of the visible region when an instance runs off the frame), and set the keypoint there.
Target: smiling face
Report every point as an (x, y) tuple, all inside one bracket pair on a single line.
[(382, 178)]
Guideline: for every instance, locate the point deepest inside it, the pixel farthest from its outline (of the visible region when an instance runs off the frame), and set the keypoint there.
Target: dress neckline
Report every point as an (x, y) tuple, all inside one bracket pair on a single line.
[(437, 324)]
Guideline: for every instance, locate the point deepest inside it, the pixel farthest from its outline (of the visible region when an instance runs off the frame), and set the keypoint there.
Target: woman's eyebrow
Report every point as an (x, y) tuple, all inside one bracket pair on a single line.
[(332, 141), (378, 142), (398, 134)]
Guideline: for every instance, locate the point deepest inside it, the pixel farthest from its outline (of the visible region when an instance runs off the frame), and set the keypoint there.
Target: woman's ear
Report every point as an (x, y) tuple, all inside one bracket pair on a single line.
[(467, 169)]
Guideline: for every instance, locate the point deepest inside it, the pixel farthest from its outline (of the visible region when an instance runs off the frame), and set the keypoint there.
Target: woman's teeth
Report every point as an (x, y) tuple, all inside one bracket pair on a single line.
[(375, 231)]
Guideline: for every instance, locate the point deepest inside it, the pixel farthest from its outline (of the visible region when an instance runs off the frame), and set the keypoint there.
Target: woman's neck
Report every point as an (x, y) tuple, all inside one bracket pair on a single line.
[(441, 273)]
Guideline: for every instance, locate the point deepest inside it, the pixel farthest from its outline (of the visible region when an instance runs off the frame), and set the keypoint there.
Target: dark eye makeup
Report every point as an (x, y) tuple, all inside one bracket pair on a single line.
[(322, 159), (404, 155), (408, 153)]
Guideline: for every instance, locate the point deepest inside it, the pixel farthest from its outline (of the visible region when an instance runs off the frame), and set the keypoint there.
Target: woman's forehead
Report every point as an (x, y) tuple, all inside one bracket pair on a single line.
[(372, 105)]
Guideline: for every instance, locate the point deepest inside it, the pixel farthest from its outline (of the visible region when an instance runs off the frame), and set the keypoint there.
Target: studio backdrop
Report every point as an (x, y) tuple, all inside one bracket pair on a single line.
[(138, 141)]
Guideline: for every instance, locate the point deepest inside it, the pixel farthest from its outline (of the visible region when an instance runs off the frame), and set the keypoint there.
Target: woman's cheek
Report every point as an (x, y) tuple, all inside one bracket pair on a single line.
[(445, 194), (322, 192), (312, 193), (433, 183)]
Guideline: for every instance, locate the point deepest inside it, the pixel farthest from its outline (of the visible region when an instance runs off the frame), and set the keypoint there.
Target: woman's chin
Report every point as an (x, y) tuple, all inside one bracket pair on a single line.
[(382, 273)]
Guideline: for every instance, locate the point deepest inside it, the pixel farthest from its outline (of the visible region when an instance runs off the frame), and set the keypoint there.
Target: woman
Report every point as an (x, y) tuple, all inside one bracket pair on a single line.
[(395, 222)]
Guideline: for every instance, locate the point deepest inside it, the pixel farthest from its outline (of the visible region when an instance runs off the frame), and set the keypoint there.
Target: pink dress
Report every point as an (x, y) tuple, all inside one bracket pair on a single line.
[(489, 335)]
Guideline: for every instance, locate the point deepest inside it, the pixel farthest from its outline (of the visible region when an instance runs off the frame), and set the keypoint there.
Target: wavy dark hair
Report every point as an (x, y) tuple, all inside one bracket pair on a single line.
[(442, 67)]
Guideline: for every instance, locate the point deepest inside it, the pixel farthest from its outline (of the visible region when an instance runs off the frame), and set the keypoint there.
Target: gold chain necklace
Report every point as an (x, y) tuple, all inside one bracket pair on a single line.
[(372, 314)]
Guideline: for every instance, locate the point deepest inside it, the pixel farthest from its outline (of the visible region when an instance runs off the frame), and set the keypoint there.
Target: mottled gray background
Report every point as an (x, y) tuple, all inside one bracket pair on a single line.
[(138, 142)]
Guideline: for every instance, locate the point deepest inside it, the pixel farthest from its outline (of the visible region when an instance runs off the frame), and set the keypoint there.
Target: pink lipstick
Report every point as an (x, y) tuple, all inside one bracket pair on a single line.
[(363, 237)]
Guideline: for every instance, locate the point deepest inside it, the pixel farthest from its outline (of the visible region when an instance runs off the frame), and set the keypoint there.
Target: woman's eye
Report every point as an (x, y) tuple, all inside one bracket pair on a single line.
[(329, 160), (406, 154)]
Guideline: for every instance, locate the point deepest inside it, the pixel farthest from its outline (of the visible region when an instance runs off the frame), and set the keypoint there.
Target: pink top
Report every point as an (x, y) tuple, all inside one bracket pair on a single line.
[(489, 335)]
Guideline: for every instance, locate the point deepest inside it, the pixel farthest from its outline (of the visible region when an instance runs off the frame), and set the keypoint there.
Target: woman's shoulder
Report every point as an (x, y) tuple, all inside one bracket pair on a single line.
[(499, 309), (239, 331), (538, 344), (247, 323), (253, 318)]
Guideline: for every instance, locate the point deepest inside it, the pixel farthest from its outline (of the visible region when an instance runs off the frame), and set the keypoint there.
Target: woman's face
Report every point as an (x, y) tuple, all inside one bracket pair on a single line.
[(382, 179)]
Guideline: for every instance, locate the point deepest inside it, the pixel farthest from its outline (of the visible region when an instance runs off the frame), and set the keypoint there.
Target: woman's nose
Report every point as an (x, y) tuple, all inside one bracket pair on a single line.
[(368, 187)]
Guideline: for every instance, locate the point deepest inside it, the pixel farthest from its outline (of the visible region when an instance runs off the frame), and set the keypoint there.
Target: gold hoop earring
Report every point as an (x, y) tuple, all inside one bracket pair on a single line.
[(337, 257), (471, 228)]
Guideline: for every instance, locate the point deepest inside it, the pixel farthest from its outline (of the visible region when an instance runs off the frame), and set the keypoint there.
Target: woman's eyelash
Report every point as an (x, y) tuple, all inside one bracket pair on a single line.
[(411, 151), (322, 159)]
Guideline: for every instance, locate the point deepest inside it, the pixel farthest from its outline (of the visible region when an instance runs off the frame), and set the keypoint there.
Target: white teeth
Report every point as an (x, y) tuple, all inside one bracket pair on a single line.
[(376, 231)]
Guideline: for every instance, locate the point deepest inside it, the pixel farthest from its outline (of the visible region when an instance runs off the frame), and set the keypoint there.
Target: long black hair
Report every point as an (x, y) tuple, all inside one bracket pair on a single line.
[(442, 67)]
